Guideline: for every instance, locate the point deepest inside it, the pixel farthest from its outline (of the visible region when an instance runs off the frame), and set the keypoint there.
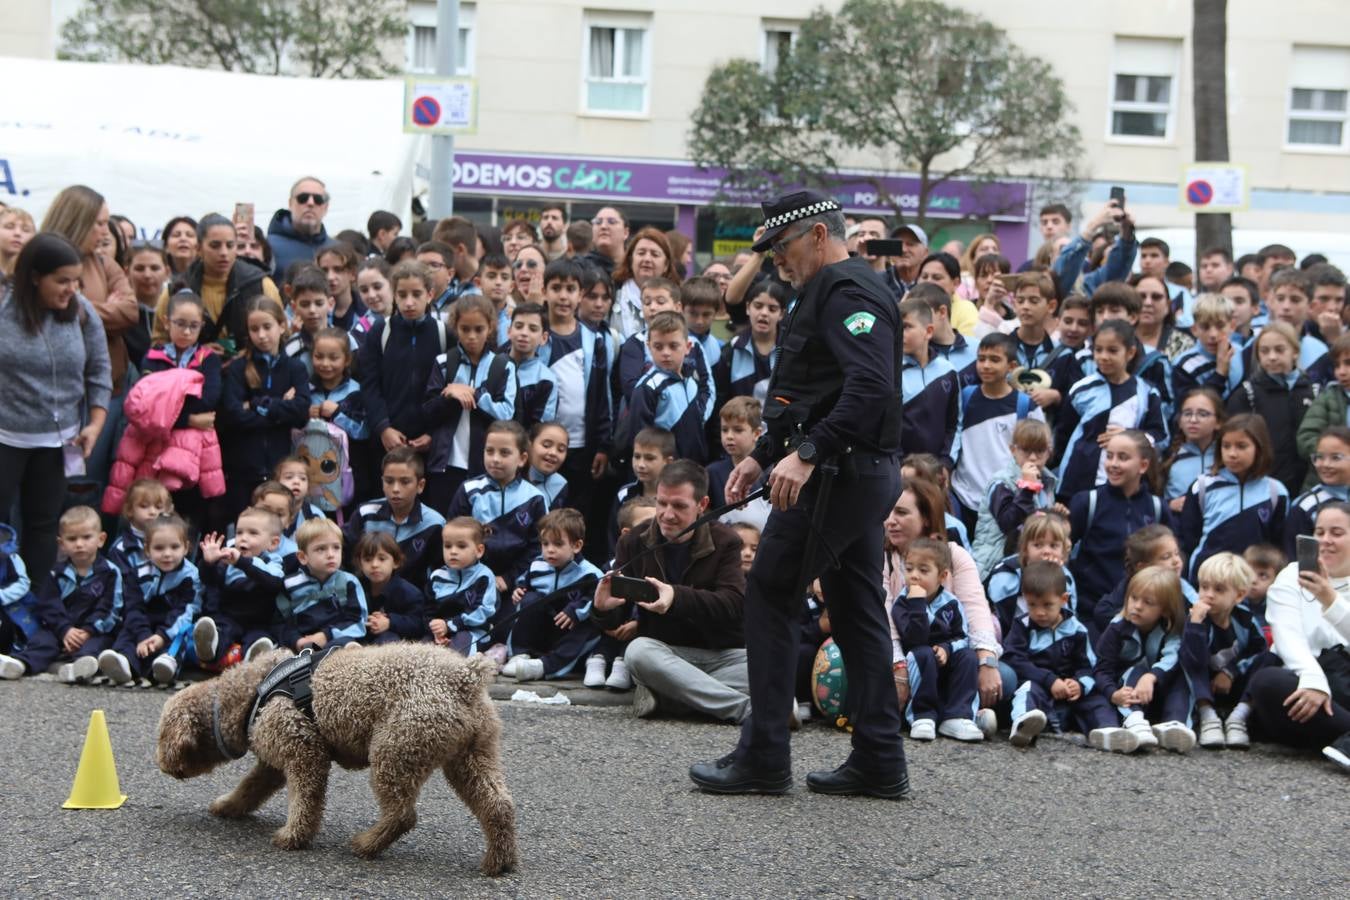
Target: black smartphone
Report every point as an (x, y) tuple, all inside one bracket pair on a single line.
[(884, 248), (1118, 195), (626, 588), (1307, 553)]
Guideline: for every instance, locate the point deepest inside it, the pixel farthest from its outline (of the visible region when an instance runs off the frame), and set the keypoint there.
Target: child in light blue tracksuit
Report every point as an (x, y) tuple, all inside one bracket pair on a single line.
[(155, 638), (462, 597), (321, 605)]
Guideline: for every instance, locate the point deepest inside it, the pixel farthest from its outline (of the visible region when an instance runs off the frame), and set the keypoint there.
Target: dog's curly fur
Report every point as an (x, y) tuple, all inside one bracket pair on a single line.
[(404, 710)]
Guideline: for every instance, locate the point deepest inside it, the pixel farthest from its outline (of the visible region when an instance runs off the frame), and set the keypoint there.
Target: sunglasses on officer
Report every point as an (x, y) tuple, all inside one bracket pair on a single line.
[(779, 247)]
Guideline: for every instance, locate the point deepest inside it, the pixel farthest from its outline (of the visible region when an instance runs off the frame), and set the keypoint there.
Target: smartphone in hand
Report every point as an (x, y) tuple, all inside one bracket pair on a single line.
[(639, 589), (1307, 553)]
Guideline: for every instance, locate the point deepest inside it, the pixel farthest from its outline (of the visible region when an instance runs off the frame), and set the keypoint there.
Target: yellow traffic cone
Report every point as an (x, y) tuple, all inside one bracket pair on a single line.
[(96, 784)]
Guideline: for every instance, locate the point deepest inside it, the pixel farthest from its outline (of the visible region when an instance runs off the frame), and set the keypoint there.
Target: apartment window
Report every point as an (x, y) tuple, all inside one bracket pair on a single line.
[(617, 66), (779, 39), (1319, 87), (1144, 88), (421, 51)]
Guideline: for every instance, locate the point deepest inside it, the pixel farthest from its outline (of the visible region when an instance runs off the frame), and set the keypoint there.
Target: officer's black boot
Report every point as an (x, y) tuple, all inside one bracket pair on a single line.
[(852, 782), (728, 775)]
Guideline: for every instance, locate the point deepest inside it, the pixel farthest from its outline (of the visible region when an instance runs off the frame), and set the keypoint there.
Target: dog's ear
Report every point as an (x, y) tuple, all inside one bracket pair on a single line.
[(182, 728)]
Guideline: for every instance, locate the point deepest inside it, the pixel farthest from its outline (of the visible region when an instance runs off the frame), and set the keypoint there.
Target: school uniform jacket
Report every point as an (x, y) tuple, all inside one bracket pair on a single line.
[(1044, 655), (939, 622), (1004, 590), (961, 355), (553, 487), (351, 411), (403, 604), (394, 372), (1093, 404), (336, 607), (246, 592), (1205, 647), (986, 434), (510, 514), (300, 346), (1189, 463), (681, 404), (635, 360), (164, 604), (542, 579), (494, 393), (741, 371), (1197, 368), (1303, 513), (581, 363), (255, 437), (1222, 513), (1003, 509), (536, 393), (93, 602), (931, 421), (1121, 647), (418, 536), (465, 598), (1109, 606), (127, 551), (1097, 560)]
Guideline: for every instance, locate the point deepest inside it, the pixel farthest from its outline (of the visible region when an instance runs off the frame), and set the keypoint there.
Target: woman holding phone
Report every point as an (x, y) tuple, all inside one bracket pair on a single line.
[(1307, 703)]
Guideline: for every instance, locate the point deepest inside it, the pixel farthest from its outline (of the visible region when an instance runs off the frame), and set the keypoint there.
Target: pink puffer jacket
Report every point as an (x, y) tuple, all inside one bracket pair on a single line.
[(151, 447)]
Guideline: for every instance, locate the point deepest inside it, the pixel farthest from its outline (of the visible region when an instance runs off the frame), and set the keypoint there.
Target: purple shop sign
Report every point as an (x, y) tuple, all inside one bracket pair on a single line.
[(682, 183)]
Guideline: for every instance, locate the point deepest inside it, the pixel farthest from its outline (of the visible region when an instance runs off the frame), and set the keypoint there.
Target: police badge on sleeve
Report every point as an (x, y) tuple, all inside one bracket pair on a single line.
[(860, 323)]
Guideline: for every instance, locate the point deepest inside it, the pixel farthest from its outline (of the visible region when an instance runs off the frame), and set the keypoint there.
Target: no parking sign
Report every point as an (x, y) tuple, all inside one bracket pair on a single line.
[(1213, 188), (440, 105)]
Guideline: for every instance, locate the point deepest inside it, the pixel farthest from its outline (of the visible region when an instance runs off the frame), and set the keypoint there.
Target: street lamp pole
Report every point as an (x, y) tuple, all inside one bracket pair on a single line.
[(442, 201)]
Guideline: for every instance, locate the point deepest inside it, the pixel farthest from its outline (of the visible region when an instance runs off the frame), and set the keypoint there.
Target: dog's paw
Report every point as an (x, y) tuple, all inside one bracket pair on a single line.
[(225, 807), (499, 861), (367, 845), (286, 839)]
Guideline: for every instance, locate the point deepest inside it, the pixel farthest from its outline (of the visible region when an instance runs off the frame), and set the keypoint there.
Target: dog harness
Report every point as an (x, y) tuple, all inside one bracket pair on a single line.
[(289, 678)]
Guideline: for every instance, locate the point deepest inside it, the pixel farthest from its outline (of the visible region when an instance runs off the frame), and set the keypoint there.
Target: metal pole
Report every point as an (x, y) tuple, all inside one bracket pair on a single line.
[(443, 146)]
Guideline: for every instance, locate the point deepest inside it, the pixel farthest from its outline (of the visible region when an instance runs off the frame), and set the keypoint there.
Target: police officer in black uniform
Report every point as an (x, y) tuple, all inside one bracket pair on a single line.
[(833, 431)]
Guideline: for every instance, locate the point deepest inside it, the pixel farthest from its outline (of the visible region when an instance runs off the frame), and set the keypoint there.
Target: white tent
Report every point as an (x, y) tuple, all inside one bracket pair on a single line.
[(161, 141)]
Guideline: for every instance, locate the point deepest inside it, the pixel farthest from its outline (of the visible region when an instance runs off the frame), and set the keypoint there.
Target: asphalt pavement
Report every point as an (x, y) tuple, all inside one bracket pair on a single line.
[(604, 808)]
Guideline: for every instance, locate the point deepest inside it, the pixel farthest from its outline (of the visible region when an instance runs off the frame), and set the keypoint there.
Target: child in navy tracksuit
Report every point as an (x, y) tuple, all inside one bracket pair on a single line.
[(1044, 538), (1331, 463), (536, 385), (943, 669), (469, 388), (931, 391), (1193, 446), (548, 452), (1199, 366), (1049, 651), (265, 395), (145, 502), (1139, 667), (292, 473), (553, 629), (396, 611), (1109, 400), (676, 393), (1152, 545), (415, 526), (78, 608), (336, 397), (396, 358), (1240, 504), (240, 618), (747, 359), (1221, 647), (462, 594), (160, 610), (1024, 486), (508, 506), (321, 605), (1100, 518)]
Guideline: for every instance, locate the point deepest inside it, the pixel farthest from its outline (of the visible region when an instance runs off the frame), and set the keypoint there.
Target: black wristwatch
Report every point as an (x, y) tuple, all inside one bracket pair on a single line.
[(806, 452)]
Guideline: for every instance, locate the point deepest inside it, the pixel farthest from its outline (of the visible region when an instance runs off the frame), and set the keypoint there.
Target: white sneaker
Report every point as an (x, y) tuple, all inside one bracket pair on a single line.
[(529, 670), (205, 639), (1114, 740), (1174, 736), (258, 648), (1025, 729), (1211, 734), (595, 671), (644, 701), (509, 670), (115, 666), (960, 730), (922, 730), (619, 679), (1143, 732), (804, 712), (10, 668), (1235, 734), (163, 669), (82, 669), (988, 723)]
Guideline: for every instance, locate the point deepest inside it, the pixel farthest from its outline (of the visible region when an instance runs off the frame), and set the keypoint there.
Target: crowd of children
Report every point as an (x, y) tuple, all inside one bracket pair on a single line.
[(439, 451)]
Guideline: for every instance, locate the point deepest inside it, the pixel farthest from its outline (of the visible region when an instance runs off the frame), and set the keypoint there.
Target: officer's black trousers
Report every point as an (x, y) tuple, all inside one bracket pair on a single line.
[(864, 493)]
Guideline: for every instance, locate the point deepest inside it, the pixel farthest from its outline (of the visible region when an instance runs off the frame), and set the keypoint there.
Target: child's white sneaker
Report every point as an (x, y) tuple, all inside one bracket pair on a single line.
[(205, 639), (960, 730), (923, 730), (529, 670), (1025, 729), (164, 669), (1235, 734), (82, 669), (115, 666), (1114, 740), (619, 679), (258, 648), (595, 671), (1143, 733), (10, 668), (1211, 734), (509, 670), (1175, 736), (987, 722)]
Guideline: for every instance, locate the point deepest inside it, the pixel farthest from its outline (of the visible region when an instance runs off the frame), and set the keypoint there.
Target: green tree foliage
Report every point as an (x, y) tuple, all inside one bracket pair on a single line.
[(315, 38), (914, 86)]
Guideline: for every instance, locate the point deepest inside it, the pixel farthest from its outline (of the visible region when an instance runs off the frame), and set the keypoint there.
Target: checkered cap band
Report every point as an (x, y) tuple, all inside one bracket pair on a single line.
[(804, 212)]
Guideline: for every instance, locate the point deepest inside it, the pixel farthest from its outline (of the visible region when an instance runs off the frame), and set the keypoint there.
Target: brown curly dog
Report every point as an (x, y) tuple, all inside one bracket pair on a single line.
[(402, 709)]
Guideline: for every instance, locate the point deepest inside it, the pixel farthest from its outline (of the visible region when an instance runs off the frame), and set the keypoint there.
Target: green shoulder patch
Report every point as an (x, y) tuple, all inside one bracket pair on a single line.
[(860, 323)]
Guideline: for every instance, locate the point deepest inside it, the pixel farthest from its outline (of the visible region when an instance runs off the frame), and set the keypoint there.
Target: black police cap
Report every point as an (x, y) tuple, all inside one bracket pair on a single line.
[(781, 213)]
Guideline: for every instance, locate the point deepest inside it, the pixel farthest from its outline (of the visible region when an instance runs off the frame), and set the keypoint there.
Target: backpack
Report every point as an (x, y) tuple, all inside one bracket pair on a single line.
[(440, 334), (496, 368), (323, 447), (1023, 401), (1092, 514)]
